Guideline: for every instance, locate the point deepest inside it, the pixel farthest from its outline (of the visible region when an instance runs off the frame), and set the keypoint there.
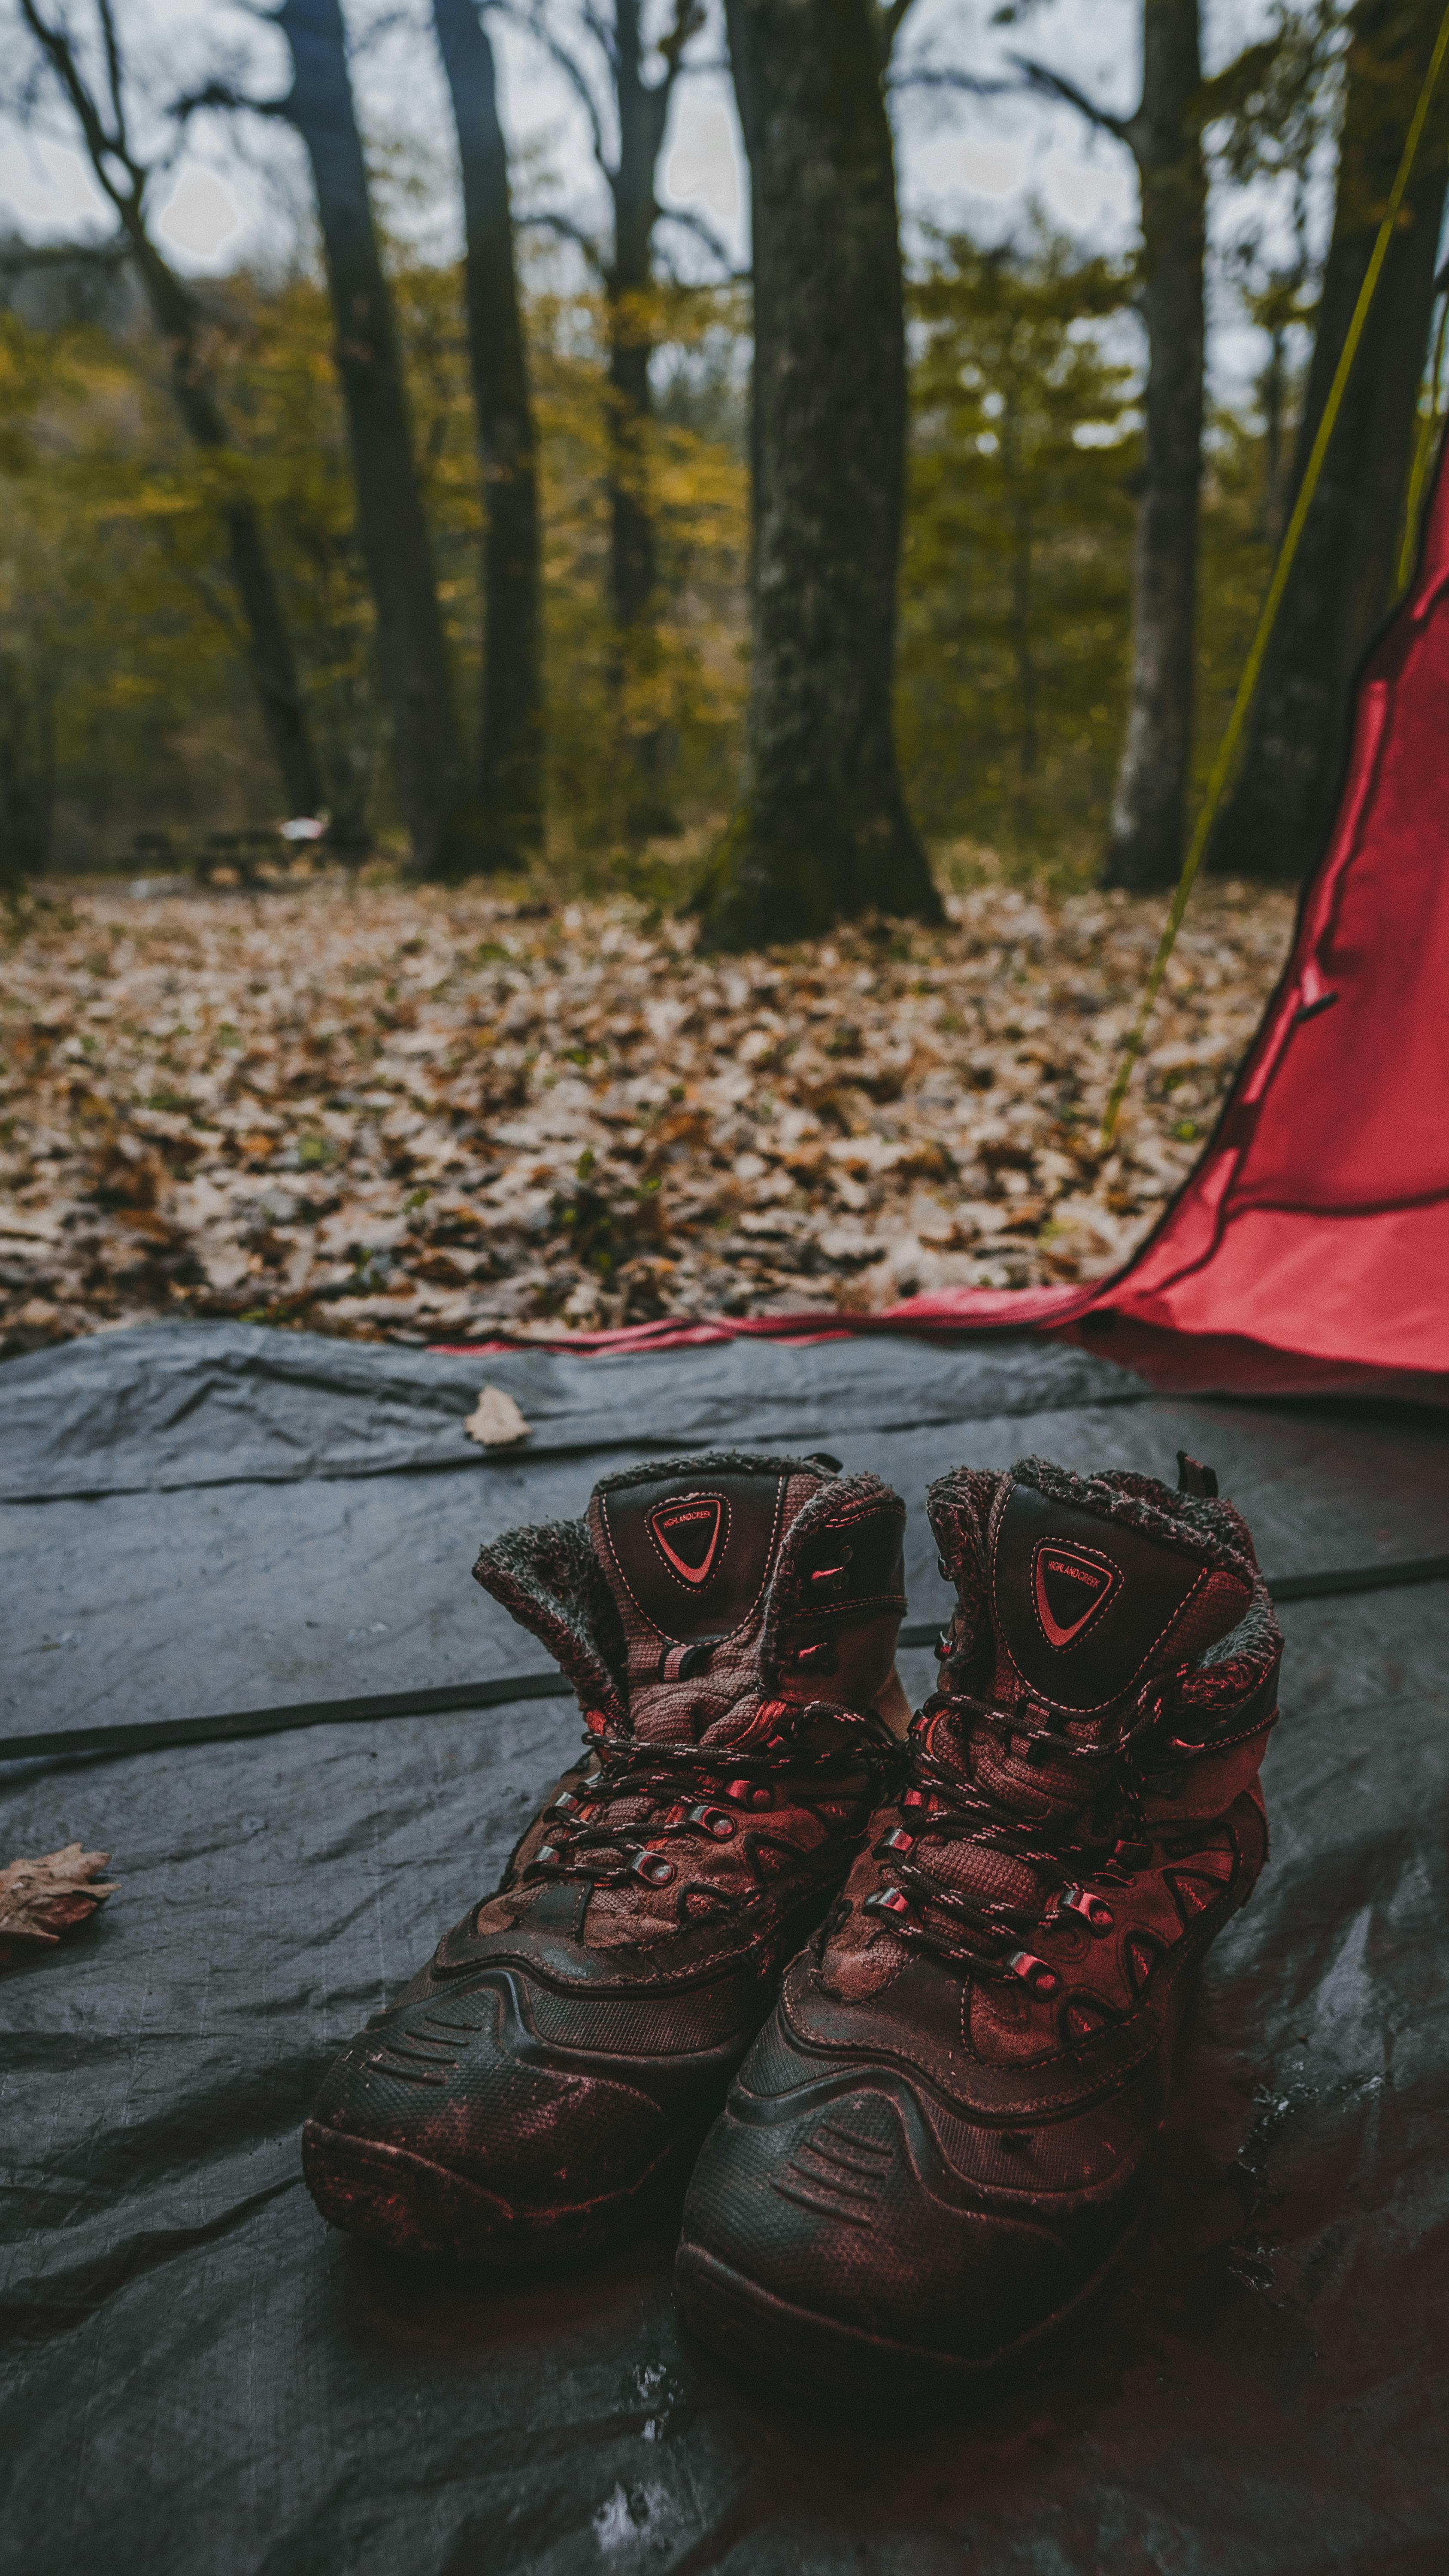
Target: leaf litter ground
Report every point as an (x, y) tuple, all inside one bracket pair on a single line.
[(423, 1114)]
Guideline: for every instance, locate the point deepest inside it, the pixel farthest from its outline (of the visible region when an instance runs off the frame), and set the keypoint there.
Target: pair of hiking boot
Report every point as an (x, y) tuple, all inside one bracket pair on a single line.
[(944, 1959)]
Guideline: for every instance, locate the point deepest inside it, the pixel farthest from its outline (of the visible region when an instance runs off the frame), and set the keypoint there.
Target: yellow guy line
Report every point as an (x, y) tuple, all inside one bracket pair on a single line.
[(1227, 749)]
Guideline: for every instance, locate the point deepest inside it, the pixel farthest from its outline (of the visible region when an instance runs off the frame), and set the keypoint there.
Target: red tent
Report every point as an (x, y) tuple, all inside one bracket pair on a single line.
[(1317, 1222), (1318, 1218)]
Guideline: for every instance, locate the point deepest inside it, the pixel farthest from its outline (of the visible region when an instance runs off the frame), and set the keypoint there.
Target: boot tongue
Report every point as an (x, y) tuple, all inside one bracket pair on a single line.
[(1085, 1608), (1088, 1607), (689, 1560)]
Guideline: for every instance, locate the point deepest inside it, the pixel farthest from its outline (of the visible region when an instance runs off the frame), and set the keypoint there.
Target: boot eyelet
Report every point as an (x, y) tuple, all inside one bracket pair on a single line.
[(914, 1798), (564, 1805), (894, 1841), (1131, 1856), (887, 1900), (595, 1721), (1033, 1972), (546, 1853), (653, 1868), (750, 1793), (714, 1822), (1093, 1910), (820, 1657)]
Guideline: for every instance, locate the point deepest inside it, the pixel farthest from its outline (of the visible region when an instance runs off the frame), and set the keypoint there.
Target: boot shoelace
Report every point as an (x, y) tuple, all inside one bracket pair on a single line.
[(944, 1804), (704, 1791)]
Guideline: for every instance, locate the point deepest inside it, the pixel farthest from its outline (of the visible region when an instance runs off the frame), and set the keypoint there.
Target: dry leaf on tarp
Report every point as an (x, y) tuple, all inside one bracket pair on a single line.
[(495, 1421), (41, 1899)]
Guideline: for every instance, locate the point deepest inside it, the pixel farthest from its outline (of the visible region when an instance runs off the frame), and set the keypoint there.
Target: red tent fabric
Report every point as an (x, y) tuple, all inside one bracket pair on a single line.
[(1317, 1221)]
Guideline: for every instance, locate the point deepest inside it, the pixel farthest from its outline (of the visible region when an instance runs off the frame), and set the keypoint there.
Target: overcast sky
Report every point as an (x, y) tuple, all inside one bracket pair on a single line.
[(962, 160)]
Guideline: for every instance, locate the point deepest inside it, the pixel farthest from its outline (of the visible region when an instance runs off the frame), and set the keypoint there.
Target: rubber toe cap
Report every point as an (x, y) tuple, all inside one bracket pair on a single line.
[(827, 2232), (445, 2127)]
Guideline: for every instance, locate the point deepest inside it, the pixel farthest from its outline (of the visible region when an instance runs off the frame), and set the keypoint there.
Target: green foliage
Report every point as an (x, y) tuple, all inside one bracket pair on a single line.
[(1281, 98), (113, 560), (107, 566), (121, 658), (1017, 564), (686, 684)]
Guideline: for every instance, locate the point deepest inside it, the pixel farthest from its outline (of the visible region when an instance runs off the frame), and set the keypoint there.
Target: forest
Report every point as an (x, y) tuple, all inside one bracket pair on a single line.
[(501, 567)]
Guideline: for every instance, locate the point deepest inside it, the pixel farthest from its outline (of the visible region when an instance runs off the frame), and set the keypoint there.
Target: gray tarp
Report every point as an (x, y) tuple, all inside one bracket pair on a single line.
[(235, 1519), (197, 2377)]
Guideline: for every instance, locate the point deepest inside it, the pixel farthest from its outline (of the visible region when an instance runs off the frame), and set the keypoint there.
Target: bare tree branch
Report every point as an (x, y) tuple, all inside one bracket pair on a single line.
[(220, 95), (114, 76), (702, 229), (576, 78), (567, 230), (603, 34), (103, 147), (377, 32), (1041, 77), (688, 19), (946, 76)]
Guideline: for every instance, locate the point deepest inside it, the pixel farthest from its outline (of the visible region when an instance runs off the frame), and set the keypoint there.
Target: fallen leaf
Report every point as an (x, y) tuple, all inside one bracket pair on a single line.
[(495, 1421), (430, 1113), (41, 1899)]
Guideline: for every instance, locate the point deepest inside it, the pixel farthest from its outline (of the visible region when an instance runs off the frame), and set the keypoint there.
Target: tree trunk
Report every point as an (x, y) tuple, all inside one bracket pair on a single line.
[(643, 110), (642, 114), (392, 526), (824, 832), (1273, 392), (1021, 607), (511, 757), (1150, 800), (27, 769), (1277, 819)]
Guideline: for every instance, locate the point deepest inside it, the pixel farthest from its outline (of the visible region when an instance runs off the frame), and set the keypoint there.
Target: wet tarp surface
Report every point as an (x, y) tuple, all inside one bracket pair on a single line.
[(196, 2376)]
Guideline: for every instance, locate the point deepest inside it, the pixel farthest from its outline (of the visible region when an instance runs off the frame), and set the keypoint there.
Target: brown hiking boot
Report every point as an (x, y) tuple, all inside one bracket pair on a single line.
[(729, 1623), (938, 2145)]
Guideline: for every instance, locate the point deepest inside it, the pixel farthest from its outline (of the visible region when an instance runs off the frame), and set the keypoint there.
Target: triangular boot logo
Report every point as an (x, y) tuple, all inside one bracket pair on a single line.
[(687, 1531), (1072, 1586)]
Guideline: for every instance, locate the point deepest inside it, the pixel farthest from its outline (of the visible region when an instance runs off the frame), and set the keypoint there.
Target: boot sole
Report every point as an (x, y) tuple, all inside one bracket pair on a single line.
[(817, 2359), (390, 2197)]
